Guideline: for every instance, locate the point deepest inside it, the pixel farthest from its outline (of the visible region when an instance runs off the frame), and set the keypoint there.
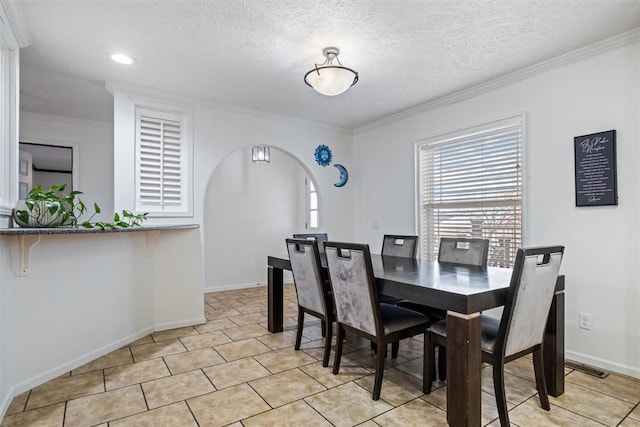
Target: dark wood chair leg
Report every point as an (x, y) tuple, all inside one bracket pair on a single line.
[(374, 347), (323, 329), (377, 385), (339, 340), (501, 398), (442, 362), (395, 346), (327, 342), (299, 328), (541, 384), (428, 365)]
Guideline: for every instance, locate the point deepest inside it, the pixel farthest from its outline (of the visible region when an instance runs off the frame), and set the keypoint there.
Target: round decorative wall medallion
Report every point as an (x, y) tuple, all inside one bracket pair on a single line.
[(323, 155)]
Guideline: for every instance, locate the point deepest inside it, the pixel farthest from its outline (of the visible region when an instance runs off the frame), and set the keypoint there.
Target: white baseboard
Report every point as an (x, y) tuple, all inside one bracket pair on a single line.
[(607, 365), (180, 324), (6, 401), (77, 362), (232, 287)]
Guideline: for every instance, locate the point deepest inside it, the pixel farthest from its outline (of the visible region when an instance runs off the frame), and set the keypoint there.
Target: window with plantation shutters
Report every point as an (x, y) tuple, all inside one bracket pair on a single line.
[(470, 185), (161, 162)]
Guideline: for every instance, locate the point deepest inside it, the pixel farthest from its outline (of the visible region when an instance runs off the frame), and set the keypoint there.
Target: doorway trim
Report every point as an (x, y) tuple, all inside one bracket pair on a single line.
[(75, 154)]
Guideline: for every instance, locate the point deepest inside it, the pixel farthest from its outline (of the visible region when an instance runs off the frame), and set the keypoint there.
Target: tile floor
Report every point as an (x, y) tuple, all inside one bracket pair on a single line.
[(232, 371)]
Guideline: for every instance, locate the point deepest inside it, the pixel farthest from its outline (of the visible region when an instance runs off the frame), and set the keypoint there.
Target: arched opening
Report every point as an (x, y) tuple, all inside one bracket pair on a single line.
[(249, 209)]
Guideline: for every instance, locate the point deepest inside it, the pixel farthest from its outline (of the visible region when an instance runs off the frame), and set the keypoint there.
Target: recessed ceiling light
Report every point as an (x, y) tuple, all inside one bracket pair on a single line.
[(121, 58)]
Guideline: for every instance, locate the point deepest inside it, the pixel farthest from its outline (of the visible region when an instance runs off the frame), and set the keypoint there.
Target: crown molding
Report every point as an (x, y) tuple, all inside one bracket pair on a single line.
[(65, 119), (598, 48), (156, 94), (15, 32)]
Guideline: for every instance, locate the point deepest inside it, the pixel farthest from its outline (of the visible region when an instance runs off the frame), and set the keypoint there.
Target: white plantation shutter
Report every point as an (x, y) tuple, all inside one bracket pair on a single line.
[(161, 163), (470, 185)]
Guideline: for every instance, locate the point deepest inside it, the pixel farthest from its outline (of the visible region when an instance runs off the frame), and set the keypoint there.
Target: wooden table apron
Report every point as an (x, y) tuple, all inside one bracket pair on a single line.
[(464, 292)]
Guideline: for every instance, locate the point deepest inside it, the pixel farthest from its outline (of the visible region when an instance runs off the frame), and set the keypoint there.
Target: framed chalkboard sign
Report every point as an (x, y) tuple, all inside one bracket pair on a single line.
[(595, 169)]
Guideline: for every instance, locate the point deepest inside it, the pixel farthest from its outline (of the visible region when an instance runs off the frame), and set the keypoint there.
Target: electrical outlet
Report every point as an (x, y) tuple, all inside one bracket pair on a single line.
[(584, 321)]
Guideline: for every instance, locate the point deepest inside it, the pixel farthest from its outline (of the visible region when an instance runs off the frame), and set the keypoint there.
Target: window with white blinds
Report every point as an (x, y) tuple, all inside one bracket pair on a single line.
[(161, 162), (470, 185)]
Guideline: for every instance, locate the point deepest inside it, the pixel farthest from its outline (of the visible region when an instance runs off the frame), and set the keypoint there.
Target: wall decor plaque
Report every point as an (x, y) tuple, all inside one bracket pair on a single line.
[(595, 169)]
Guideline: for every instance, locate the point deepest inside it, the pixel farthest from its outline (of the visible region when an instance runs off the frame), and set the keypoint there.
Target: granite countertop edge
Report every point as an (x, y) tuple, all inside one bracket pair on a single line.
[(19, 231)]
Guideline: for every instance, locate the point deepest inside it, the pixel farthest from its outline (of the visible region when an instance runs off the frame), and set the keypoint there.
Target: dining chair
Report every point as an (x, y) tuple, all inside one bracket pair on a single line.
[(454, 251), (320, 238), (519, 331), (464, 251), (313, 297), (358, 309), (400, 246)]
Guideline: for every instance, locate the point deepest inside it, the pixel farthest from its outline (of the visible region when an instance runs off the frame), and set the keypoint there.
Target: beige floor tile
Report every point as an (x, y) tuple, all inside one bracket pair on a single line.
[(66, 388), (517, 389), (177, 414), (367, 358), (347, 405), (286, 387), (245, 332), (47, 416), (143, 340), (349, 371), (215, 325), (523, 368), (18, 403), (103, 407), (280, 340), (629, 422), (227, 406), (152, 351), (176, 388), (412, 367), (241, 349), (410, 348), (581, 400), (530, 414), (369, 424), (397, 387), (173, 334), (248, 319), (223, 305), (614, 385), (255, 308), (313, 332), (635, 414), (223, 313), (115, 358), (417, 412), (292, 415), (282, 360), (135, 373), (196, 359), (489, 407), (208, 339), (236, 372)]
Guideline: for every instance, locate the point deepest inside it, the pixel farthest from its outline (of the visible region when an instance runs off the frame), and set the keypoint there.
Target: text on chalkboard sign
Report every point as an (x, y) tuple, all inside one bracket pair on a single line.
[(595, 169)]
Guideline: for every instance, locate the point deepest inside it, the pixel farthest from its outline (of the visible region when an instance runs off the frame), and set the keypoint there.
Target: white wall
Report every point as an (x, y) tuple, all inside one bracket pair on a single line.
[(47, 179), (249, 209), (601, 258), (221, 130), (94, 144)]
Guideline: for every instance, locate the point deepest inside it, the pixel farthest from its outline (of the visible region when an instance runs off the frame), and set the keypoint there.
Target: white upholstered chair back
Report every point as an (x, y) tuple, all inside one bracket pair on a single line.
[(399, 246), (303, 255), (352, 296), (532, 296)]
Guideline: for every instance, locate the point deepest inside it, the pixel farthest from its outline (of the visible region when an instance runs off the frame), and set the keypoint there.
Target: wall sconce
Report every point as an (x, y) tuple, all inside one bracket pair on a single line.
[(260, 154)]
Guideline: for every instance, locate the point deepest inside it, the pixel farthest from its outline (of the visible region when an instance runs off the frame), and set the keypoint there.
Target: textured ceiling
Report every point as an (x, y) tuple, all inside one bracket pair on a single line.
[(254, 54)]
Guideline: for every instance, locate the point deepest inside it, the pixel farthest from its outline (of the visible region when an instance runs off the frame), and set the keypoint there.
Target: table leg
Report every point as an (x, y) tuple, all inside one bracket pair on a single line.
[(275, 296), (464, 361), (553, 347)]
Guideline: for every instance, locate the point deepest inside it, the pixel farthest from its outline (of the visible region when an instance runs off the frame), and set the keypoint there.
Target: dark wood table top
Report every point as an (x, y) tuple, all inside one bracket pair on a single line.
[(463, 289)]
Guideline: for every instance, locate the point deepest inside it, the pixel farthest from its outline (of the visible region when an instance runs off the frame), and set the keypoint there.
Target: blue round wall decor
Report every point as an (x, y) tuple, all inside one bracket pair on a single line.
[(323, 155)]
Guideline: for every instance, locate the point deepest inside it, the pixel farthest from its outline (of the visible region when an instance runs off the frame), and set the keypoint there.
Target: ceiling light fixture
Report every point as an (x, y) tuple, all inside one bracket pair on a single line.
[(121, 58), (260, 154), (329, 79)]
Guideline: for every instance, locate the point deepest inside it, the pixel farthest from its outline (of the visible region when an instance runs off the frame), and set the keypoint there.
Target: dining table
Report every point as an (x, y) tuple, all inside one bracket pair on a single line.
[(464, 292)]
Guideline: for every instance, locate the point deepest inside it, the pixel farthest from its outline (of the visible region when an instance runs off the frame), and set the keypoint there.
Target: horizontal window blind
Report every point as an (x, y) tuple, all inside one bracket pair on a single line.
[(470, 185), (160, 162)]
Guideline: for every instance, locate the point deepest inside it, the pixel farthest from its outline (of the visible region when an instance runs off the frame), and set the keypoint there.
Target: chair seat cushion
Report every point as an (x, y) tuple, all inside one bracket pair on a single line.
[(397, 318), (488, 331)]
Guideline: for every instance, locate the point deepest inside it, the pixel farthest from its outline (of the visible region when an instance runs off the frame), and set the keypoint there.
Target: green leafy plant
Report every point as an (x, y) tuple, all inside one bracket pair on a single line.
[(71, 208)]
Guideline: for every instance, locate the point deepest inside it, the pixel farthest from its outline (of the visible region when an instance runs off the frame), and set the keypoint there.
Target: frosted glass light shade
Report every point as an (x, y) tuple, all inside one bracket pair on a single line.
[(331, 80), (260, 154)]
